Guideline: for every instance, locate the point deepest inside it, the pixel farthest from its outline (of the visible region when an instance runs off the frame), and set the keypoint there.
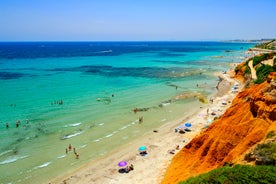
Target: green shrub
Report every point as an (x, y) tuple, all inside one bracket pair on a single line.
[(247, 61), (266, 154), (262, 73), (270, 134), (247, 70), (236, 174), (258, 59)]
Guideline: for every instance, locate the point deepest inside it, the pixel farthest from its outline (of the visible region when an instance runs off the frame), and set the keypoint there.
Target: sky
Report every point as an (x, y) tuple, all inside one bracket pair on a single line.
[(136, 20)]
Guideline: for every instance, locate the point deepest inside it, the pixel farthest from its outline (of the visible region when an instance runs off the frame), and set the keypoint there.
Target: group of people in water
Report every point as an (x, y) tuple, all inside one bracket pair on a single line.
[(67, 150), (57, 102), (17, 123)]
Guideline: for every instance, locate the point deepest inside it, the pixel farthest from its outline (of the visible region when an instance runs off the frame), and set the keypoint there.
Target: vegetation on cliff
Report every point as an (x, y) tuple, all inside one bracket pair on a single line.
[(236, 174), (264, 153), (262, 72), (267, 45), (262, 69)]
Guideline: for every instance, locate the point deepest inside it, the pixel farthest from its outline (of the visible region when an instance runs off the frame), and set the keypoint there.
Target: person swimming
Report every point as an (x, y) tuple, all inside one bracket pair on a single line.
[(17, 123)]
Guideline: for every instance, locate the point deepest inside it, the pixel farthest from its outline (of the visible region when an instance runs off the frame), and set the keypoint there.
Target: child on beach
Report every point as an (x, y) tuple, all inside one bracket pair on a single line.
[(131, 167)]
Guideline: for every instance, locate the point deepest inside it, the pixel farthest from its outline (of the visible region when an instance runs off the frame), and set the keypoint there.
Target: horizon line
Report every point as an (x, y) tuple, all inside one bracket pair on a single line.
[(230, 40)]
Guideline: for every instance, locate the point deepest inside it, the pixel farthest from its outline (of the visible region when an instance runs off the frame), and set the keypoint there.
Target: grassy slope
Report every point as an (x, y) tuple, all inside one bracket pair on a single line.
[(237, 174)]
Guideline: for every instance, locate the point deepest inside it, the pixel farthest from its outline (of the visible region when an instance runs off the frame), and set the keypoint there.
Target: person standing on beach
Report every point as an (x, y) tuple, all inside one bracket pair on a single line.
[(141, 119)]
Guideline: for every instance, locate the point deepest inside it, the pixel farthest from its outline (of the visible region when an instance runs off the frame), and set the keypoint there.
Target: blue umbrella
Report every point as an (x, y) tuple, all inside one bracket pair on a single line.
[(122, 163), (142, 148), (188, 124), (209, 120)]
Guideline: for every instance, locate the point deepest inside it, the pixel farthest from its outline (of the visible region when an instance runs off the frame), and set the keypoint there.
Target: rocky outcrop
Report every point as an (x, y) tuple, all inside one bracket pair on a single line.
[(251, 116)]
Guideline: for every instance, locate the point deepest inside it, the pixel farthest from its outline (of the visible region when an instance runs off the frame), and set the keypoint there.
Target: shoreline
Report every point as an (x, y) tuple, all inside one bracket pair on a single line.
[(151, 168)]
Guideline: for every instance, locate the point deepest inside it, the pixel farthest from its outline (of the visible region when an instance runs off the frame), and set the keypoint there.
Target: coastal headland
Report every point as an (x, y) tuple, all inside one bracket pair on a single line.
[(247, 122)]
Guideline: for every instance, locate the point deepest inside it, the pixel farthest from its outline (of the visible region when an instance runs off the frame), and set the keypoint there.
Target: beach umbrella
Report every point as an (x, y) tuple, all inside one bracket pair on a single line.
[(209, 120), (142, 148), (188, 124), (122, 164)]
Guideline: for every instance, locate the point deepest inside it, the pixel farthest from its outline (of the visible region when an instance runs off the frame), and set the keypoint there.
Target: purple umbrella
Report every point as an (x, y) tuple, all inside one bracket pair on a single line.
[(122, 163)]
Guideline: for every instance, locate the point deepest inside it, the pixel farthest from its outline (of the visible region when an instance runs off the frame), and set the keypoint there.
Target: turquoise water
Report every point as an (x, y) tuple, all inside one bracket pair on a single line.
[(84, 94)]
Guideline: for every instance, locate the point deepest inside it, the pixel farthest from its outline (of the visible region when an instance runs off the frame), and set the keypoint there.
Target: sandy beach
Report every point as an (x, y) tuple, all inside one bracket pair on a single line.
[(150, 169)]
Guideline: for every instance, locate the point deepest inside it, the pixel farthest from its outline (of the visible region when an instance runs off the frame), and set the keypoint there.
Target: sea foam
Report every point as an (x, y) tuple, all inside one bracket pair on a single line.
[(43, 165), (71, 135), (5, 152), (73, 125), (11, 159)]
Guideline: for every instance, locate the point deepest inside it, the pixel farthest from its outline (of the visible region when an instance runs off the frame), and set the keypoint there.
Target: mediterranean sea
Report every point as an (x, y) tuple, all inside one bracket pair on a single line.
[(92, 94)]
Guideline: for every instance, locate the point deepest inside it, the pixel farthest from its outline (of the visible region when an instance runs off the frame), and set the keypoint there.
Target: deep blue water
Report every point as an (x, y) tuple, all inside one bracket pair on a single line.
[(16, 50)]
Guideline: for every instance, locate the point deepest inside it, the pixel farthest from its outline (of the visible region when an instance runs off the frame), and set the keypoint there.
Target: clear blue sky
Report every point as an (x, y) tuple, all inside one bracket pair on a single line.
[(137, 20)]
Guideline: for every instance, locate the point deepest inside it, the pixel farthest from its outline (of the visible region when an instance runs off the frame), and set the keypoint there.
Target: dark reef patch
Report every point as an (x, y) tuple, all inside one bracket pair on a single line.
[(10, 75), (147, 72)]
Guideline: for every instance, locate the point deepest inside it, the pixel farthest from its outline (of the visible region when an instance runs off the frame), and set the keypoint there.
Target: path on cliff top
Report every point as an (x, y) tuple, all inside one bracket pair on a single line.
[(253, 71)]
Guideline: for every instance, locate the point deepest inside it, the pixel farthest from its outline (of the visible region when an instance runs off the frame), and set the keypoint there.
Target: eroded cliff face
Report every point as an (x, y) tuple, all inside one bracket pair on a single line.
[(251, 116)]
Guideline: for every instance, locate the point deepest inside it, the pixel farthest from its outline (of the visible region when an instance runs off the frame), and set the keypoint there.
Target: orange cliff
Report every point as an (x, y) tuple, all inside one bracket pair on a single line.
[(251, 116)]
